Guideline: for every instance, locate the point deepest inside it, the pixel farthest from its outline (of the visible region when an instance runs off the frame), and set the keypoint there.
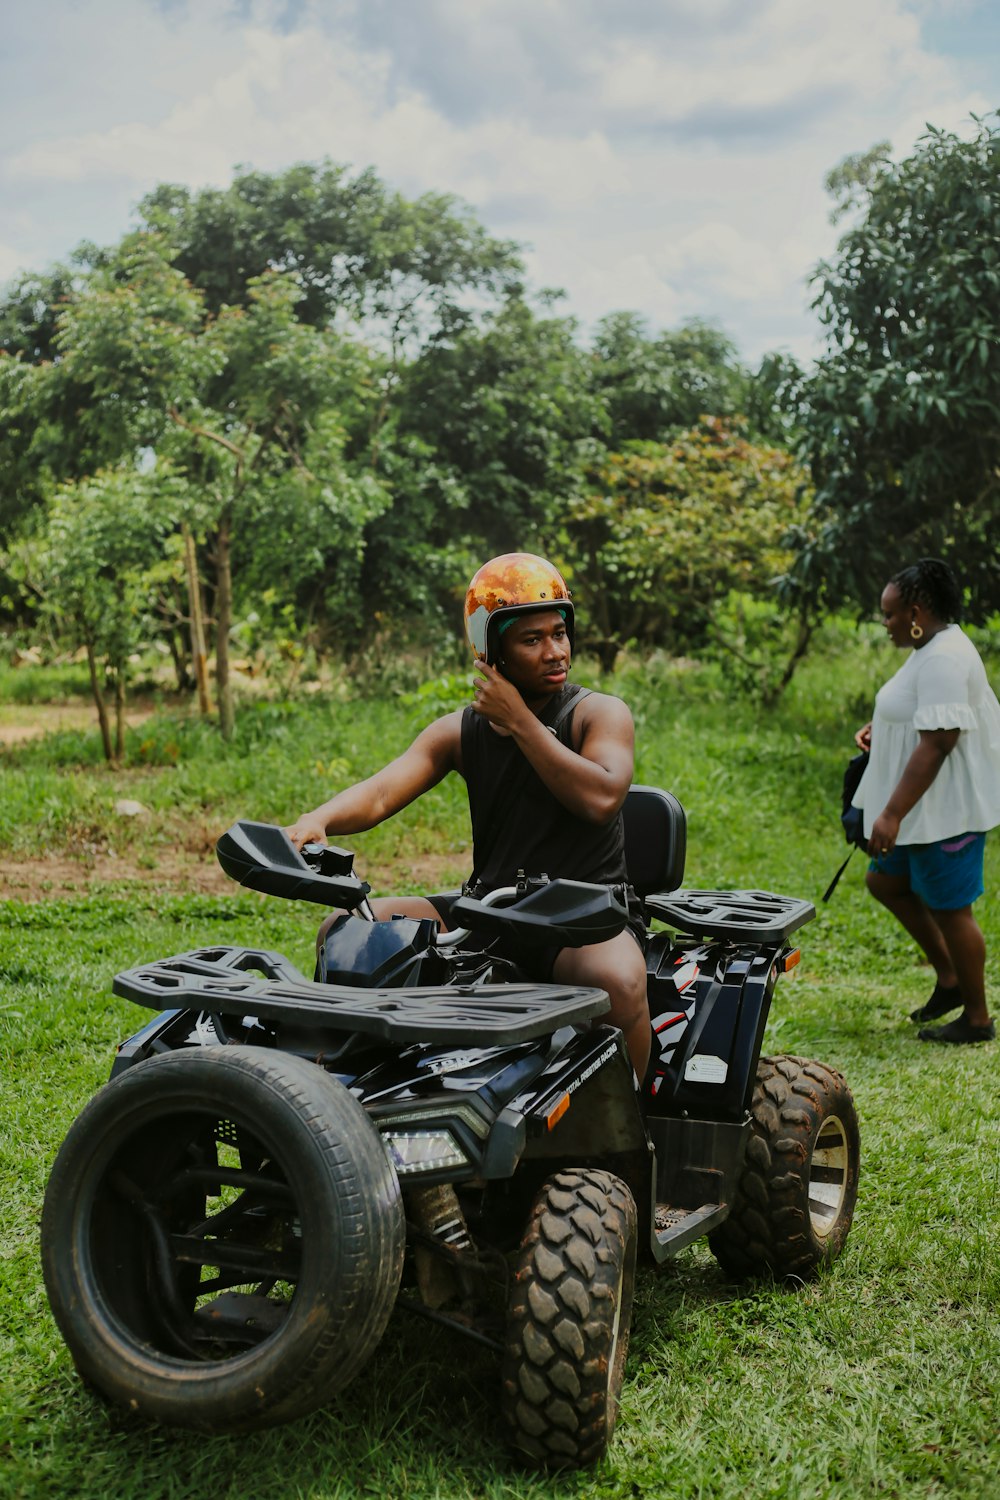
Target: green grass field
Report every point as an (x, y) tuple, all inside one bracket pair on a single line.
[(881, 1379)]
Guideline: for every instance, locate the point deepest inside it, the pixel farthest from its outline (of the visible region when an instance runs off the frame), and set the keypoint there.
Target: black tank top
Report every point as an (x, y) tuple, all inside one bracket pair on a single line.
[(517, 824)]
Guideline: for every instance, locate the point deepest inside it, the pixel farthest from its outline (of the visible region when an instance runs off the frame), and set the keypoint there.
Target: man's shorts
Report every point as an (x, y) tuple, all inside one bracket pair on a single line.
[(535, 960), (946, 875)]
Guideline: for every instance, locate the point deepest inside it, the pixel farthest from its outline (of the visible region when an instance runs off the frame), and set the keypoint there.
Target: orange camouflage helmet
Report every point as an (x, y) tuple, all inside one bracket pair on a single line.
[(509, 585)]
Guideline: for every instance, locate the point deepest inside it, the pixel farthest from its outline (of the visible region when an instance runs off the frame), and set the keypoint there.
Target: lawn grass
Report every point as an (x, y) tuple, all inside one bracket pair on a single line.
[(881, 1379)]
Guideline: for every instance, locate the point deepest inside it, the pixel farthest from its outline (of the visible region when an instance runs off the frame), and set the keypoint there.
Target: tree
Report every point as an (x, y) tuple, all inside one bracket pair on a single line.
[(23, 444), (355, 246), (493, 425), (409, 271), (653, 387), (32, 302), (90, 568), (236, 401), (773, 400), (902, 413), (41, 441), (851, 179), (663, 533)]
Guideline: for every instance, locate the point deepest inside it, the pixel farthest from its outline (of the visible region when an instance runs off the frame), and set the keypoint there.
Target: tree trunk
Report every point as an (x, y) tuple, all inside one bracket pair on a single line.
[(607, 655), (224, 620), (102, 707), (806, 628), (197, 622), (178, 655), (120, 713)]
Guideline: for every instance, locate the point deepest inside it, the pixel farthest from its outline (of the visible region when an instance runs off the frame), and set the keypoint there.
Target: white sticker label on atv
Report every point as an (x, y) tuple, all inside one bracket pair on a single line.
[(705, 1069)]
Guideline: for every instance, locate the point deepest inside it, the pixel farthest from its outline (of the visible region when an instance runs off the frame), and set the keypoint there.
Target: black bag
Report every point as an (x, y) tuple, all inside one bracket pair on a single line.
[(852, 818)]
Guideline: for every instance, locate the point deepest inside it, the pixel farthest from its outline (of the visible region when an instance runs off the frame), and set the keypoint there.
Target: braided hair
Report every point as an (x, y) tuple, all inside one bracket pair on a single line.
[(930, 582)]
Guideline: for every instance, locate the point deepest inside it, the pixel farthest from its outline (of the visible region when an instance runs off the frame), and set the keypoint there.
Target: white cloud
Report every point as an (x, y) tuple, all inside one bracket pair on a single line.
[(736, 264), (607, 276), (340, 109), (10, 262)]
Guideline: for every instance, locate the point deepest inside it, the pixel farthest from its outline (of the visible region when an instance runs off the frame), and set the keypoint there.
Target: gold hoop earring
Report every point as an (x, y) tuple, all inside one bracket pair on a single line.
[(916, 632)]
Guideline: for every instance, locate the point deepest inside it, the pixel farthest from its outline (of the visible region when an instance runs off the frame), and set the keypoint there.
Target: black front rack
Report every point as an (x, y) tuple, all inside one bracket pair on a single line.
[(260, 983)]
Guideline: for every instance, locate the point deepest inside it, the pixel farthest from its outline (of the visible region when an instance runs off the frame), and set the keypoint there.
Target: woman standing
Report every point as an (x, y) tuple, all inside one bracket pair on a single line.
[(930, 792)]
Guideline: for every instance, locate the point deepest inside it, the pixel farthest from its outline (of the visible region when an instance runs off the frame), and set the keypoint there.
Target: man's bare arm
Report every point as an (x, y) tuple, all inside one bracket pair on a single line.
[(434, 753)]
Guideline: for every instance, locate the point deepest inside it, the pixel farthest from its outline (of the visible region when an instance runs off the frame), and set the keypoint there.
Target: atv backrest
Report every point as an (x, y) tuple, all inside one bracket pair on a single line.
[(655, 839)]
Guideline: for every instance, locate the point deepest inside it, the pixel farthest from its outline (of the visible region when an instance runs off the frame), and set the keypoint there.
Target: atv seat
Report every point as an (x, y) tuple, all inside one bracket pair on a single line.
[(655, 840)]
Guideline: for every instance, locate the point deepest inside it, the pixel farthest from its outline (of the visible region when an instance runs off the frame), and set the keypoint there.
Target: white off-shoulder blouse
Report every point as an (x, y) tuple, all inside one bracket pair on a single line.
[(943, 685)]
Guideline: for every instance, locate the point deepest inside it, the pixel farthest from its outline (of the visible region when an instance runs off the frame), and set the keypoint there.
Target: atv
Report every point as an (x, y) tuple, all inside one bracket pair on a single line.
[(278, 1163)]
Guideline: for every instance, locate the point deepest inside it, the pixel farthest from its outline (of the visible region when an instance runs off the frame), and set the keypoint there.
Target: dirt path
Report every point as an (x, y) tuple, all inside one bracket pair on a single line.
[(20, 722), (56, 877)]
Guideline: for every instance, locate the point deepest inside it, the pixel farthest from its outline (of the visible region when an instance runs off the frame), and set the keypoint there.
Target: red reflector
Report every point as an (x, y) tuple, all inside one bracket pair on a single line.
[(791, 959)]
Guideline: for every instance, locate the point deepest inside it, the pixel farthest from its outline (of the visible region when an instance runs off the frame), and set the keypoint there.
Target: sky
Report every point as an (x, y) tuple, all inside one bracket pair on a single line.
[(662, 156)]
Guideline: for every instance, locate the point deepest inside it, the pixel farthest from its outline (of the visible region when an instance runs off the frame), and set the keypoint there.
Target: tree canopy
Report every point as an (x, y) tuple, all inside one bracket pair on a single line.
[(654, 385), (354, 245), (661, 534), (901, 418)]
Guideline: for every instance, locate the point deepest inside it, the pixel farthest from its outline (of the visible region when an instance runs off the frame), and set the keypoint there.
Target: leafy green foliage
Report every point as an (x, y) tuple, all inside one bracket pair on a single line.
[(508, 410), (902, 415), (40, 440), (661, 534), (440, 695), (243, 402), (654, 386), (490, 428), (26, 440), (851, 180), (91, 569), (128, 336)]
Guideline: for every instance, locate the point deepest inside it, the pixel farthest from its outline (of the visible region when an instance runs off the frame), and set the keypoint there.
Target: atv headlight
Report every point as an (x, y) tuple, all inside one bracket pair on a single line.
[(422, 1150)]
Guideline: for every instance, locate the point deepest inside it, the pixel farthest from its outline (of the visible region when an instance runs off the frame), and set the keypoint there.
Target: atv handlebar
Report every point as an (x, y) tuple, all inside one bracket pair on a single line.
[(570, 913), (262, 857)]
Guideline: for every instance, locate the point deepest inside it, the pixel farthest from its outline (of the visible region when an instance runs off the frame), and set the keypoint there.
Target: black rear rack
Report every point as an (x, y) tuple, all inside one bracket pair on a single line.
[(740, 916), (257, 982)]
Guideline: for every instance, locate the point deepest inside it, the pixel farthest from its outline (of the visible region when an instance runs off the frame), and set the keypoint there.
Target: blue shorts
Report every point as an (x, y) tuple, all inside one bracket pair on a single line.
[(946, 876)]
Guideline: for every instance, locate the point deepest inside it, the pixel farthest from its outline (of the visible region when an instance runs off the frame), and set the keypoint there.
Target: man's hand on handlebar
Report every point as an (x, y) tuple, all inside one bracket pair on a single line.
[(307, 830)]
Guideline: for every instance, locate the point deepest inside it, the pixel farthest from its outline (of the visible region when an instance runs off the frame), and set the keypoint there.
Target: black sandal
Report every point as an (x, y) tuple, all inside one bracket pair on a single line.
[(944, 999), (960, 1030)]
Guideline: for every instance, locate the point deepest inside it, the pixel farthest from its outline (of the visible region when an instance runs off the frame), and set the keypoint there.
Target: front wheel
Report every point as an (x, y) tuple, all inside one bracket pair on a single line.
[(568, 1319), (222, 1238), (795, 1198)]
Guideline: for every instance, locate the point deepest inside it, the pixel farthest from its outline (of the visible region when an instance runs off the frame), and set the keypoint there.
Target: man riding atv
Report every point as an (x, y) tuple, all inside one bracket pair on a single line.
[(277, 1165), (547, 768)]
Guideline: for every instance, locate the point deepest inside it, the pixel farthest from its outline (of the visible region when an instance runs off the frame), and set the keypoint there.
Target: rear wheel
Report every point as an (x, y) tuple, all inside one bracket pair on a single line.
[(568, 1319), (222, 1238), (795, 1198)]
